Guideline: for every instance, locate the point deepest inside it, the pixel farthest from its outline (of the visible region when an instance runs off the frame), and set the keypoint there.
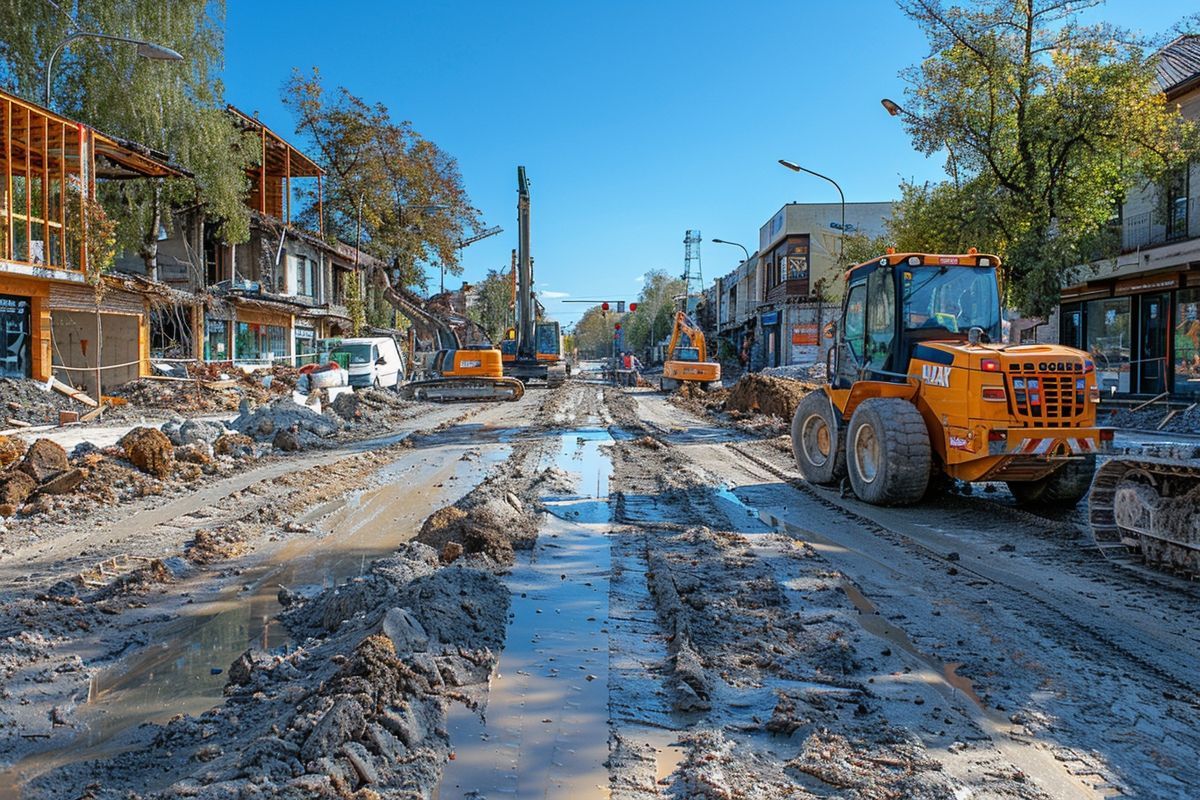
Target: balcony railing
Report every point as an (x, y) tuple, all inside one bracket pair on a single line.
[(1180, 221)]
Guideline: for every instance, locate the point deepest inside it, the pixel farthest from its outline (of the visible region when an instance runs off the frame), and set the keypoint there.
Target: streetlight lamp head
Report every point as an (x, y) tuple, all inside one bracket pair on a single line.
[(892, 107), (790, 165), (157, 52)]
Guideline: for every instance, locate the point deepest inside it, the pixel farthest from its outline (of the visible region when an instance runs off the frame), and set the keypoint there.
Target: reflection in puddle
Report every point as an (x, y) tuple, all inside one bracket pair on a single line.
[(543, 732), (184, 672)]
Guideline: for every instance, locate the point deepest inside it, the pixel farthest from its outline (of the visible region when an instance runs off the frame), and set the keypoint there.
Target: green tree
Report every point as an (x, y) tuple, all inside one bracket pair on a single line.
[(655, 314), (594, 333), (175, 108), (492, 310), (406, 190), (1048, 122)]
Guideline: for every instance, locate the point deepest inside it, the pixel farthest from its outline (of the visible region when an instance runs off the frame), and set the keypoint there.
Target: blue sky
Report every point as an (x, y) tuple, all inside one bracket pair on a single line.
[(636, 120)]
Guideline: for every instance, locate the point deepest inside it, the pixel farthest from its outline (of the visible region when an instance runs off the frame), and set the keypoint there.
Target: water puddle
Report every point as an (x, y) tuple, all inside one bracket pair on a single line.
[(183, 672), (543, 730)]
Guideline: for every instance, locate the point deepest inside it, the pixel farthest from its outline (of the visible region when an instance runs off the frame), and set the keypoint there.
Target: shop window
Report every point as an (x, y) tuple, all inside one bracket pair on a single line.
[(1177, 205), (1187, 342), (15, 338), (216, 340), (1108, 341), (306, 345), (260, 342)]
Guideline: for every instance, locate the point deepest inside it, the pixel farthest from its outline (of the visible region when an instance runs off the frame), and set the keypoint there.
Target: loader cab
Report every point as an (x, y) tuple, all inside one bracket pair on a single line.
[(898, 301)]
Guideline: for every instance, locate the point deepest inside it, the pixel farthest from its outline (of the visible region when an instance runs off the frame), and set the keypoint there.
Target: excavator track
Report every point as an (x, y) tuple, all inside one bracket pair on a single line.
[(1148, 507), (464, 390)]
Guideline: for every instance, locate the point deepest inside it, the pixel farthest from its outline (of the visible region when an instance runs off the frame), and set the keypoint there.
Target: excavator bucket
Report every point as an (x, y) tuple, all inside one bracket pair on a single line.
[(464, 390)]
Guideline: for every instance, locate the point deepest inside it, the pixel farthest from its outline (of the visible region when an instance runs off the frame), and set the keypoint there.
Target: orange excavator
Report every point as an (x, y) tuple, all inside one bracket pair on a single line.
[(687, 358)]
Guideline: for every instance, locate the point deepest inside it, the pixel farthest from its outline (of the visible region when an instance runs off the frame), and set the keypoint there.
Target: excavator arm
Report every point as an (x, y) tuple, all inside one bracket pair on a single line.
[(684, 326)]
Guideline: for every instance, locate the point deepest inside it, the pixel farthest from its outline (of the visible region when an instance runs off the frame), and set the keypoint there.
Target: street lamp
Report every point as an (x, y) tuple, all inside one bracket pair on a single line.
[(842, 240), (735, 244), (150, 50)]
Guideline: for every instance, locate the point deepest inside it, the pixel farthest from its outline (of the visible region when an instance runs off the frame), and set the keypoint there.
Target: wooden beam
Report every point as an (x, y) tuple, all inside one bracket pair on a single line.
[(1149, 402)]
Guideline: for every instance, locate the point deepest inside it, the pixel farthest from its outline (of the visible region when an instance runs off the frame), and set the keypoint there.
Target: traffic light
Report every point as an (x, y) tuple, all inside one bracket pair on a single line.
[(617, 327), (633, 306), (604, 306)]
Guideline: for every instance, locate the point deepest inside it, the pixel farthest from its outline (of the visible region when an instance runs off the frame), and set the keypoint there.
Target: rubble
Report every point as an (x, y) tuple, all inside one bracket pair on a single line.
[(11, 450), (489, 521), (30, 401), (44, 459), (264, 422), (149, 450), (1152, 418)]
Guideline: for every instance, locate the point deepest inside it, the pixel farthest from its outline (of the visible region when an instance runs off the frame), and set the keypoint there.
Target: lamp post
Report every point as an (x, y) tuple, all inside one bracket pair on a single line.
[(842, 241), (896, 110), (150, 50), (735, 244)]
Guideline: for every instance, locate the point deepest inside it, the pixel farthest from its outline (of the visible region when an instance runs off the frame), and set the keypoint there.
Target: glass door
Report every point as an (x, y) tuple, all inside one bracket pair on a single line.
[(15, 341), (1152, 343)]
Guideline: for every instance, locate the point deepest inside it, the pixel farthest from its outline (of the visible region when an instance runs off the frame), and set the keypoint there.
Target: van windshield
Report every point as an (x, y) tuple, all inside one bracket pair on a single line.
[(359, 353), (953, 299)]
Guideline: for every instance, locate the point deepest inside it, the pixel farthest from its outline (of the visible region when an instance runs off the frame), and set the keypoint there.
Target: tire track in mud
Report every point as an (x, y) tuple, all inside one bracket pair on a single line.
[(760, 688)]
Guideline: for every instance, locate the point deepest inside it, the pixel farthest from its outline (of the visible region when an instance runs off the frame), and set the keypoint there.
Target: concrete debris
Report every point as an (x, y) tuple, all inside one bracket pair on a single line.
[(237, 445), (211, 546), (15, 488), (149, 450), (11, 450), (264, 422)]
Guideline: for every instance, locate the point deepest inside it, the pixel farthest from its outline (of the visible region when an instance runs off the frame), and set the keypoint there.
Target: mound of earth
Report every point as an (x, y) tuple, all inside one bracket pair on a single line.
[(763, 394)]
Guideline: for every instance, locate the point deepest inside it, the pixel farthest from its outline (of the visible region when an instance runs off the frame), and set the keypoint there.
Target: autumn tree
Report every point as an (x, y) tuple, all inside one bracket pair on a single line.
[(1047, 123), (594, 333), (386, 185), (173, 107)]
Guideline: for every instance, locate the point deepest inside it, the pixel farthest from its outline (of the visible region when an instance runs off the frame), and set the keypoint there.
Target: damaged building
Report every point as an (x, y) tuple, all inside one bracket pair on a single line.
[(53, 322)]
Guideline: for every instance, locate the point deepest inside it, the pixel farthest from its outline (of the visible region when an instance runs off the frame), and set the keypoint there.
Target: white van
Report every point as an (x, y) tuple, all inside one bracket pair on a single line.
[(374, 361)]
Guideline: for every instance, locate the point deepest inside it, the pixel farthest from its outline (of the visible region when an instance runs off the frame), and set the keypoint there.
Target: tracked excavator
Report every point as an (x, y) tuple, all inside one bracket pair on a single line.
[(687, 358), (536, 349), (1149, 507), (451, 372)]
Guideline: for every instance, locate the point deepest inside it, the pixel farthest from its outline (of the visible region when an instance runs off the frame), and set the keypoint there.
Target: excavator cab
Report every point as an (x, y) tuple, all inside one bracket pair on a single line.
[(687, 361), (921, 384)]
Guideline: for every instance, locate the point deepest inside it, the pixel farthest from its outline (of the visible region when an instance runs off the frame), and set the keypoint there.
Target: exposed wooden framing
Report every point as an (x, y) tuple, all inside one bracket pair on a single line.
[(287, 180), (8, 202), (45, 190), (82, 216), (62, 197), (320, 206), (1151, 401), (28, 187), (262, 173)]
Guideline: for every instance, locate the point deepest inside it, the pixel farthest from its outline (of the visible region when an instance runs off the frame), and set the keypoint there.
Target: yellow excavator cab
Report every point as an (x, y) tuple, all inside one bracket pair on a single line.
[(687, 358)]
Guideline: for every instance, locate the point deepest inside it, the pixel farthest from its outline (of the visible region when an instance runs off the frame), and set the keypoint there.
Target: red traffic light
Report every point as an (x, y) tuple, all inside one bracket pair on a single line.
[(617, 327), (633, 306), (604, 306)]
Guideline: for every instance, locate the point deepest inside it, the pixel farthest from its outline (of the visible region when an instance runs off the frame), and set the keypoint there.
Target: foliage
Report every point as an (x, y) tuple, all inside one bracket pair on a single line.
[(655, 314), (172, 107), (1048, 123), (355, 303), (414, 207), (101, 240), (493, 310), (594, 333)]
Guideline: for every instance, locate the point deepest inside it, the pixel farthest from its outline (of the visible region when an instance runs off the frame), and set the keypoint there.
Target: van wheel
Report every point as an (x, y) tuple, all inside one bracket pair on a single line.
[(887, 452), (818, 443), (1066, 486)]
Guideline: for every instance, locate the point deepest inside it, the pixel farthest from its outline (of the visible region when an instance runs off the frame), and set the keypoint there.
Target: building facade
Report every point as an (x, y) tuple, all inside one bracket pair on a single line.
[(773, 306), (1139, 314), (53, 320)]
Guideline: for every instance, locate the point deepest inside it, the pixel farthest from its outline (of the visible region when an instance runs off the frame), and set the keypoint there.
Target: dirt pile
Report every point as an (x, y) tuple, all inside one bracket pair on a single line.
[(486, 523), (755, 393), (357, 708), (267, 421), (212, 387), (149, 450), (11, 450), (43, 471)]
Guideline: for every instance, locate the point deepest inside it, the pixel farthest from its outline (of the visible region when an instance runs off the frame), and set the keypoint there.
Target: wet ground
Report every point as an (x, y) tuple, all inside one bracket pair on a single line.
[(692, 620)]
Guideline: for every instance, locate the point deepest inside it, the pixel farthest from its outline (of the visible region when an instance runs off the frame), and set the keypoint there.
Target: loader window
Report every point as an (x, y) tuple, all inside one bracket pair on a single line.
[(952, 299), (856, 313), (881, 318)]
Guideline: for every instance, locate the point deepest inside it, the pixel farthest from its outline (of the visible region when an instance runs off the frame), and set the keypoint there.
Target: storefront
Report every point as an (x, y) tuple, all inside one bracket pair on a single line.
[(1143, 332)]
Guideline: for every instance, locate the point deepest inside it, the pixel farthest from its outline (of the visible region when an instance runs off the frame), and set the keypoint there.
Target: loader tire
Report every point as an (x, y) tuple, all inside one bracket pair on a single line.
[(887, 452), (818, 441), (1065, 486)]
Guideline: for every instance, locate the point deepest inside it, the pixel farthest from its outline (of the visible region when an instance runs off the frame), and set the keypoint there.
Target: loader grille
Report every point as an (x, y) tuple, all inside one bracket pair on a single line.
[(1047, 399)]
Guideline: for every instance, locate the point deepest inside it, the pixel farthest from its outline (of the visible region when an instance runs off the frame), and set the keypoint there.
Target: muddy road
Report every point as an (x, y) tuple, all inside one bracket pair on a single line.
[(589, 593)]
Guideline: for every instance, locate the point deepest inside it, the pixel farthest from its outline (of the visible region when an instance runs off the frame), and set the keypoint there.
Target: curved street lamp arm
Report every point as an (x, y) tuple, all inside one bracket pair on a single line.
[(152, 50)]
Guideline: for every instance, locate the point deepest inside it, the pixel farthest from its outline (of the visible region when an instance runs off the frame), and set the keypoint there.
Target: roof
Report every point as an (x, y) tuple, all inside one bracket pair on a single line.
[(1178, 64), (116, 158), (282, 158)]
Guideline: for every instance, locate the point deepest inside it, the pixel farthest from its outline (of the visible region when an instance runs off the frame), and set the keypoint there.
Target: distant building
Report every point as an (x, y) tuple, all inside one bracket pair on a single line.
[(1139, 315), (773, 305)]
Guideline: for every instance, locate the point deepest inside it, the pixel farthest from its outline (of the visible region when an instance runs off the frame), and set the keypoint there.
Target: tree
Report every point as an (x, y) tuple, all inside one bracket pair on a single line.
[(493, 307), (175, 108), (1048, 123), (406, 190), (655, 313), (594, 333)]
